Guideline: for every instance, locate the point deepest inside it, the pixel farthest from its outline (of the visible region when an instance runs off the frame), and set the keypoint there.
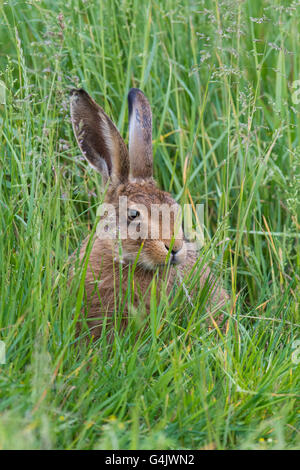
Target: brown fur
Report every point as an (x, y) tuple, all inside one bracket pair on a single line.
[(103, 286)]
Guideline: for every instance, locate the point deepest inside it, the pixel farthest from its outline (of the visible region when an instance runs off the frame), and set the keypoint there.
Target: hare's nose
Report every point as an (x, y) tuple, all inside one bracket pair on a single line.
[(174, 250)]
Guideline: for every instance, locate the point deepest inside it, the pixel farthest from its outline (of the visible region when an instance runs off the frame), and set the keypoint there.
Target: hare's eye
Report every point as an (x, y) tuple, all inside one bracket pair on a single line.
[(132, 214)]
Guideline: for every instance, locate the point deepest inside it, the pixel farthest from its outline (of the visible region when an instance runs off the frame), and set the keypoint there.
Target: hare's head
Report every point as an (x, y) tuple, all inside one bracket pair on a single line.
[(151, 217)]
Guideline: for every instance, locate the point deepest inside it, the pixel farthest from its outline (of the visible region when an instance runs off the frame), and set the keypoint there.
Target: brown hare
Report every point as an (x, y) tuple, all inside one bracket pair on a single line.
[(128, 175)]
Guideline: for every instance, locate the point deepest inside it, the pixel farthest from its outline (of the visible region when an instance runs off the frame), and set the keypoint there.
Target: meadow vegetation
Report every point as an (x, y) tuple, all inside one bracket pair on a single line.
[(220, 76)]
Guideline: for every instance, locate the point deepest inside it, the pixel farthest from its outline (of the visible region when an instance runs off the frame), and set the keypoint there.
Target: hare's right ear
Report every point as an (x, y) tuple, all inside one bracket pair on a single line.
[(140, 135), (98, 138)]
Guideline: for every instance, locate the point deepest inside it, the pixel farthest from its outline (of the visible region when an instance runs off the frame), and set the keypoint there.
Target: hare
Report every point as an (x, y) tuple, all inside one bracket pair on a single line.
[(129, 174)]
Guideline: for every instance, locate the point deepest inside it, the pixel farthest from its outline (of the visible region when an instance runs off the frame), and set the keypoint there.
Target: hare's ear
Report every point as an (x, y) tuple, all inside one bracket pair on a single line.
[(98, 138), (140, 135)]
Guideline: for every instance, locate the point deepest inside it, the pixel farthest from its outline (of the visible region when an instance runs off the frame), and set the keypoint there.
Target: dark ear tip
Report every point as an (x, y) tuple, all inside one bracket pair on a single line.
[(133, 93), (77, 91)]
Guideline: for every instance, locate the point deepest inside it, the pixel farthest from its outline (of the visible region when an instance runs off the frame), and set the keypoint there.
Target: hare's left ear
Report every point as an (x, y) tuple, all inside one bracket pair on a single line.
[(98, 138), (140, 135)]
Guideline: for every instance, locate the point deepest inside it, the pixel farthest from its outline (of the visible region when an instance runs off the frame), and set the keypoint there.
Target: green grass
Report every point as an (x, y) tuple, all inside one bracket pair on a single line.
[(219, 76)]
